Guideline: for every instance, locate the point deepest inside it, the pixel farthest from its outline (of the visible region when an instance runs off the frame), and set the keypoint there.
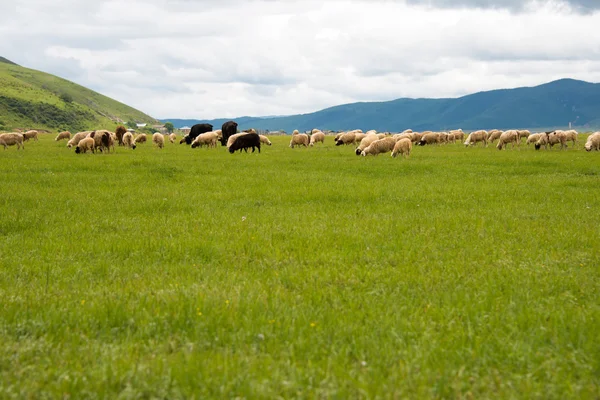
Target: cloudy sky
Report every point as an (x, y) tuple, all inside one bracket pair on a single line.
[(229, 58)]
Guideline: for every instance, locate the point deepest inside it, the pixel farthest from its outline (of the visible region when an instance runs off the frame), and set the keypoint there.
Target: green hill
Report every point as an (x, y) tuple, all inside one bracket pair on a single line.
[(31, 99), (551, 105)]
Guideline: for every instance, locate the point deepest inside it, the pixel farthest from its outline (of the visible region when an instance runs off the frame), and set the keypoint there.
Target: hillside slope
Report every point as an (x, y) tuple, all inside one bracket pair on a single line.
[(34, 99), (554, 104)]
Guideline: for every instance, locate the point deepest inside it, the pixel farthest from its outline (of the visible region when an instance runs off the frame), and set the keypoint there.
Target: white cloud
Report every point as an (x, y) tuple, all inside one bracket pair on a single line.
[(205, 59)]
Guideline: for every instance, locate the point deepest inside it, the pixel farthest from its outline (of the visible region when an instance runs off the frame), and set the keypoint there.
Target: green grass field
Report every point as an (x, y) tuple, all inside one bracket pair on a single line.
[(304, 273)]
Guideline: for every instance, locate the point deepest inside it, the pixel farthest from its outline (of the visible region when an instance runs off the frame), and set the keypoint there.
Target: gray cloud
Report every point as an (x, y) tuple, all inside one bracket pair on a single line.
[(515, 5)]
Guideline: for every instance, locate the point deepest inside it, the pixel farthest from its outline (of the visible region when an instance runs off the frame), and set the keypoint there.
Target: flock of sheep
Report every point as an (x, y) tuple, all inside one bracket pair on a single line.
[(367, 143)]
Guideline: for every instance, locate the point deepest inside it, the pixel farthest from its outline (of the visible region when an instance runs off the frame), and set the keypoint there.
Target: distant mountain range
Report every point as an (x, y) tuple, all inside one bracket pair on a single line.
[(553, 104), (33, 99)]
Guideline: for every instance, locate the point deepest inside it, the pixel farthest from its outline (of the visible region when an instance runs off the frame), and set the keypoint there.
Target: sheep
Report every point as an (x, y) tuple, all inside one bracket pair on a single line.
[(11, 139), (444, 137), (265, 140), (523, 133), (400, 136), (552, 138), (141, 138), (86, 144), (379, 146), (477, 136), (159, 140), (251, 130), (172, 137), (119, 133), (347, 138), (77, 137), (368, 132), (494, 135), (430, 138), (316, 138), (416, 137), (103, 139), (232, 138), (33, 134), (365, 143), (533, 138), (381, 135), (315, 131), (63, 135), (128, 141), (593, 142), (300, 139), (359, 136), (407, 131), (339, 135), (572, 136), (208, 139), (247, 140), (455, 135), (295, 132), (403, 146), (507, 137)]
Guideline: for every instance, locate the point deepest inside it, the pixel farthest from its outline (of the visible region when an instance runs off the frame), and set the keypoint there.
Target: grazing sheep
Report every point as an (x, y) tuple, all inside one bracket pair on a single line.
[(63, 135), (295, 132), (407, 131), (119, 133), (403, 146), (475, 137), (523, 133), (359, 136), (455, 135), (430, 138), (400, 136), (172, 137), (347, 138), (593, 142), (300, 139), (251, 130), (30, 135), (77, 137), (381, 135), (379, 146), (195, 131), (315, 131), (11, 139), (366, 142), (533, 138), (128, 140), (316, 138), (103, 139), (368, 132), (141, 138), (264, 139), (233, 137), (159, 140), (494, 135), (246, 141), (86, 144), (416, 137), (552, 138), (572, 136), (507, 137), (208, 139), (339, 135)]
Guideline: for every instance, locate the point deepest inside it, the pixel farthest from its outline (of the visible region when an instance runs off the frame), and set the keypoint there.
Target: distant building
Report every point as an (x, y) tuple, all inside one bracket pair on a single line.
[(185, 129), (141, 125)]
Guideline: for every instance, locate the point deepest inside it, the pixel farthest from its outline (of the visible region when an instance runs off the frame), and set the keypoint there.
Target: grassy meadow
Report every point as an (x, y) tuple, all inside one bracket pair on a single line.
[(299, 273)]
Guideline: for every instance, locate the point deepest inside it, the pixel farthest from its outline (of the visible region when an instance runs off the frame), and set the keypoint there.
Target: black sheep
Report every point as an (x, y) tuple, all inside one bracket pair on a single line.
[(229, 128), (196, 130), (244, 142)]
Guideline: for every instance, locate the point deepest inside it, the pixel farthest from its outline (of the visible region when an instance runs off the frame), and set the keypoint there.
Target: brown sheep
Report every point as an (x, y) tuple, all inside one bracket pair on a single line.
[(119, 132), (33, 134), (63, 135), (403, 146)]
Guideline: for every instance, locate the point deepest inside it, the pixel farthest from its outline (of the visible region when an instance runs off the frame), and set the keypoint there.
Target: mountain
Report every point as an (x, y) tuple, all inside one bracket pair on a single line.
[(553, 104), (34, 99)]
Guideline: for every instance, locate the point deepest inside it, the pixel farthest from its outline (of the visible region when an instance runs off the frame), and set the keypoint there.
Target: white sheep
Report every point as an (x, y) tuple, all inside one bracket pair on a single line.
[(475, 137), (208, 139), (407, 131), (379, 146), (572, 136), (141, 138), (510, 136), (77, 138), (347, 138), (494, 135), (300, 139), (159, 140), (455, 135), (86, 144), (430, 138), (33, 134), (552, 138), (232, 138), (103, 139), (12, 139), (593, 142), (400, 136), (533, 138), (172, 137), (316, 138), (295, 132), (523, 133), (367, 140), (63, 135), (128, 140), (264, 140), (403, 146)]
